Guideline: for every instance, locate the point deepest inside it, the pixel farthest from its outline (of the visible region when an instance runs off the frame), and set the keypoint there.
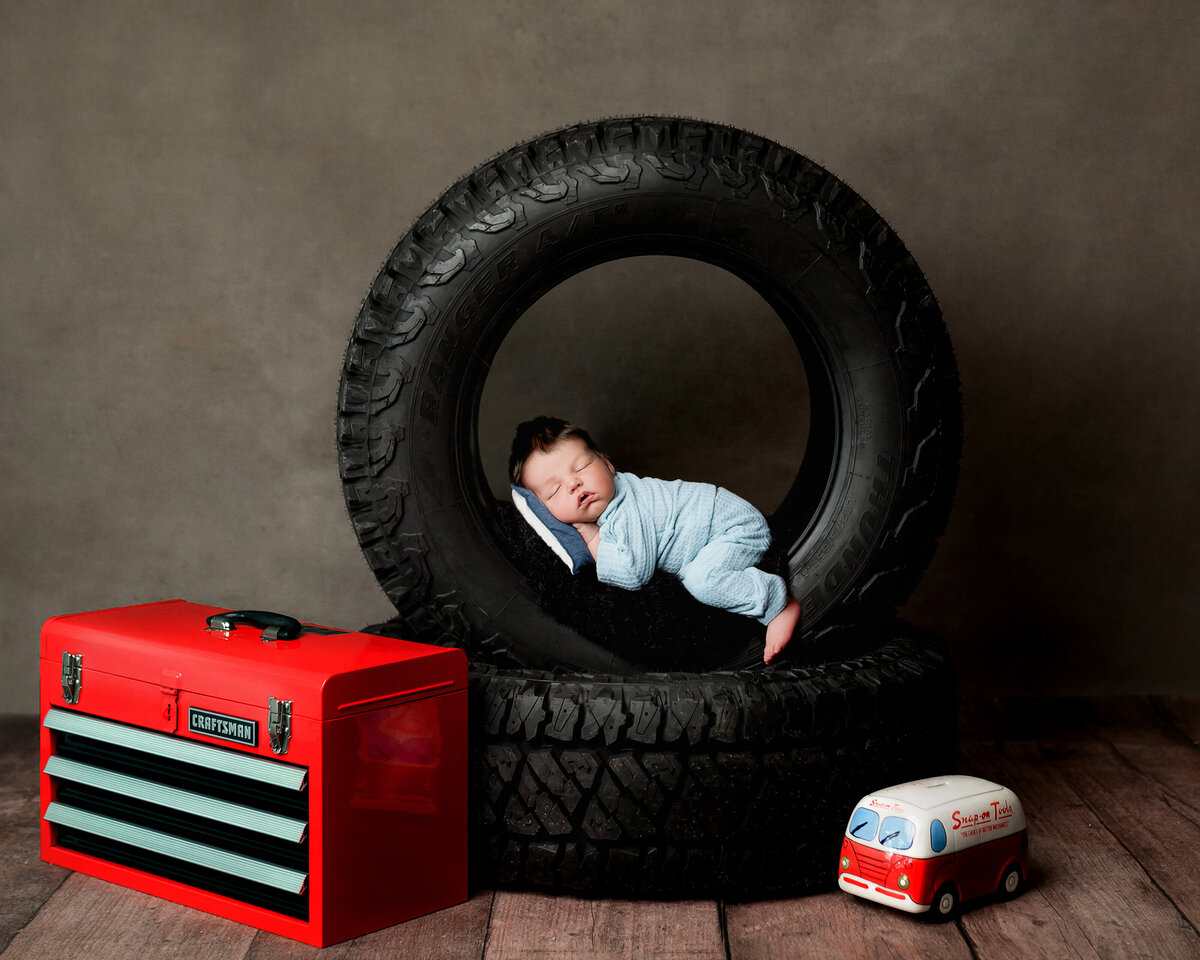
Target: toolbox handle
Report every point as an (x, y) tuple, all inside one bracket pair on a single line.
[(276, 626)]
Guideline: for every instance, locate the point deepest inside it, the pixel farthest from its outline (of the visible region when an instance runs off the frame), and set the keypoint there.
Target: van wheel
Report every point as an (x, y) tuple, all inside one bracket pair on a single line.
[(945, 904), (1010, 883)]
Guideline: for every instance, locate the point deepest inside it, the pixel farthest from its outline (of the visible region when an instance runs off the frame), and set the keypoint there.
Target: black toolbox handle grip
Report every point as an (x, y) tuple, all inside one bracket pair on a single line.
[(276, 626)]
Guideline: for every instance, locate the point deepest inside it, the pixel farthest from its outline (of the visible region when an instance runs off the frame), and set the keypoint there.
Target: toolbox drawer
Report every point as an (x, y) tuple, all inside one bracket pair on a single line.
[(200, 814)]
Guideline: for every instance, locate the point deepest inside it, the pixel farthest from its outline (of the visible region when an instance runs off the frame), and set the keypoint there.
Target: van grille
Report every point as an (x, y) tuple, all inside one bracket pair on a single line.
[(214, 818), (873, 865)]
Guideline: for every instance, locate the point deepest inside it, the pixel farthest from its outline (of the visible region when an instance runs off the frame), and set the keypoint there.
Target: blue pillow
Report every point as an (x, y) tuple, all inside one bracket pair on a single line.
[(566, 542)]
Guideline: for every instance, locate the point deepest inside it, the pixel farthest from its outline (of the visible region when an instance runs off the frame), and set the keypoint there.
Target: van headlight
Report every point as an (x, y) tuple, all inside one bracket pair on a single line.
[(902, 881), (845, 863)]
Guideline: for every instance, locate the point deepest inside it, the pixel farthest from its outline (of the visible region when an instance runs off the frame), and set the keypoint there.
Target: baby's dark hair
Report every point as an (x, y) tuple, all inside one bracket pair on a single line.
[(538, 436)]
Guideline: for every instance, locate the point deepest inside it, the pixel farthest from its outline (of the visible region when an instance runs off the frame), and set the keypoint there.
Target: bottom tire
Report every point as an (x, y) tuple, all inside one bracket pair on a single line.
[(729, 784)]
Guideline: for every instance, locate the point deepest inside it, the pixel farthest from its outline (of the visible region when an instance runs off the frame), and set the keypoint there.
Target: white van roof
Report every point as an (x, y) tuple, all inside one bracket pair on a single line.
[(927, 794), (971, 810)]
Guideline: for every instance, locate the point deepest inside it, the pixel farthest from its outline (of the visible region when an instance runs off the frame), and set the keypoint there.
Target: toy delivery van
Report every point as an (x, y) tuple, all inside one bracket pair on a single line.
[(929, 845)]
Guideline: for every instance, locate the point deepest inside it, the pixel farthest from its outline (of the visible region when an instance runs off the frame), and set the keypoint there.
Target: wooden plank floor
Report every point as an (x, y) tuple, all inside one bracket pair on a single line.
[(1111, 789)]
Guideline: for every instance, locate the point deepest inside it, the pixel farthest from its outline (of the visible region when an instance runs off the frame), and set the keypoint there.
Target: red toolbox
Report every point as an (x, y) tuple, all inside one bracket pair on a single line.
[(306, 781)]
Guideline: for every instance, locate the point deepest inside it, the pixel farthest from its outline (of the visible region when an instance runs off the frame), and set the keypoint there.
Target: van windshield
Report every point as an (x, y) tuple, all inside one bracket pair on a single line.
[(896, 832), (863, 824)]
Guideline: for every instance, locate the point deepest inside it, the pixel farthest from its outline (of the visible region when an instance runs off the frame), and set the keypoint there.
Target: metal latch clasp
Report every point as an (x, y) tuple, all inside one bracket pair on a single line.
[(279, 724), (72, 676), (169, 688)]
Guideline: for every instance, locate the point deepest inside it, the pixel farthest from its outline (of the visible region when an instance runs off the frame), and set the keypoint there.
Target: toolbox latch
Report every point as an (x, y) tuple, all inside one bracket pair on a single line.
[(72, 676), (279, 723), (170, 700)]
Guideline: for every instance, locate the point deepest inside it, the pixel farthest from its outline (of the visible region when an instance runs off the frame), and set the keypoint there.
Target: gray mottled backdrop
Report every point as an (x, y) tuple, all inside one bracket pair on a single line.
[(195, 197)]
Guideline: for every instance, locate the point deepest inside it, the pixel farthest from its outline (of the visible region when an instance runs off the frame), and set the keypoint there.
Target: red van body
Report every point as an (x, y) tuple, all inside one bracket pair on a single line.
[(933, 844)]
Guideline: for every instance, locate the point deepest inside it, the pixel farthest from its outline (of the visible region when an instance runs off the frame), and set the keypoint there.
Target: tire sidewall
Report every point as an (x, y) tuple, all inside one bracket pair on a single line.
[(459, 284)]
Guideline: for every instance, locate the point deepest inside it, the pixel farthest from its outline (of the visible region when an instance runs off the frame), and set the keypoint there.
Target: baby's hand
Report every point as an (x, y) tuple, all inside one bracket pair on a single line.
[(591, 536)]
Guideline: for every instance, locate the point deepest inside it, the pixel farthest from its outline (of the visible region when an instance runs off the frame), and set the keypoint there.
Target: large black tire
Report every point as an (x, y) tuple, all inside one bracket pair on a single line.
[(729, 784), (872, 495)]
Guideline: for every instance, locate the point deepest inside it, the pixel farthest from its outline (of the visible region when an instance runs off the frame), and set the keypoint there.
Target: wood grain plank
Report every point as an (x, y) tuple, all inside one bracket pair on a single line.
[(25, 882), (1139, 719), (102, 921), (456, 933), (836, 925), (1183, 713), (1089, 895), (529, 925), (1027, 928), (1142, 781)]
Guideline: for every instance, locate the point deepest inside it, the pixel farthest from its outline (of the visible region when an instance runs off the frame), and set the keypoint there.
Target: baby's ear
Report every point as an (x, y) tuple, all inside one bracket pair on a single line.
[(608, 463)]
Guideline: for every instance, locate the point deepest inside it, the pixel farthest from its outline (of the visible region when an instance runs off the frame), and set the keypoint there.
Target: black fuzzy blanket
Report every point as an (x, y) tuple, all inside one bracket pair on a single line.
[(661, 624)]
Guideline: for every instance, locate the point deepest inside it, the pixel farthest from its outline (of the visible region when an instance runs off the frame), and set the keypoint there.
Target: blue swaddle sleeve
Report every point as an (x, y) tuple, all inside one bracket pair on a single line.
[(628, 553), (566, 542)]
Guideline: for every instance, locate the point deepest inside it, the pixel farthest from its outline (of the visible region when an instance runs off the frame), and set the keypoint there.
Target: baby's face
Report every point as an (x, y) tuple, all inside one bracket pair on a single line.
[(574, 482)]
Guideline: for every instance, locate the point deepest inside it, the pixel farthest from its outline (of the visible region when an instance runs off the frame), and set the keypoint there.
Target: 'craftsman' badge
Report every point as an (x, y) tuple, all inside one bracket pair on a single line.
[(222, 727)]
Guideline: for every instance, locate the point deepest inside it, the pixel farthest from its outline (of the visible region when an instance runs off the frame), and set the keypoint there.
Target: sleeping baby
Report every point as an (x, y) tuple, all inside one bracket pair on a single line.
[(708, 537)]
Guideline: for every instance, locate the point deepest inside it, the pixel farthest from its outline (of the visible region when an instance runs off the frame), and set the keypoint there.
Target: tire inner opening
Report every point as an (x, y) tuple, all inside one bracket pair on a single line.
[(676, 367)]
